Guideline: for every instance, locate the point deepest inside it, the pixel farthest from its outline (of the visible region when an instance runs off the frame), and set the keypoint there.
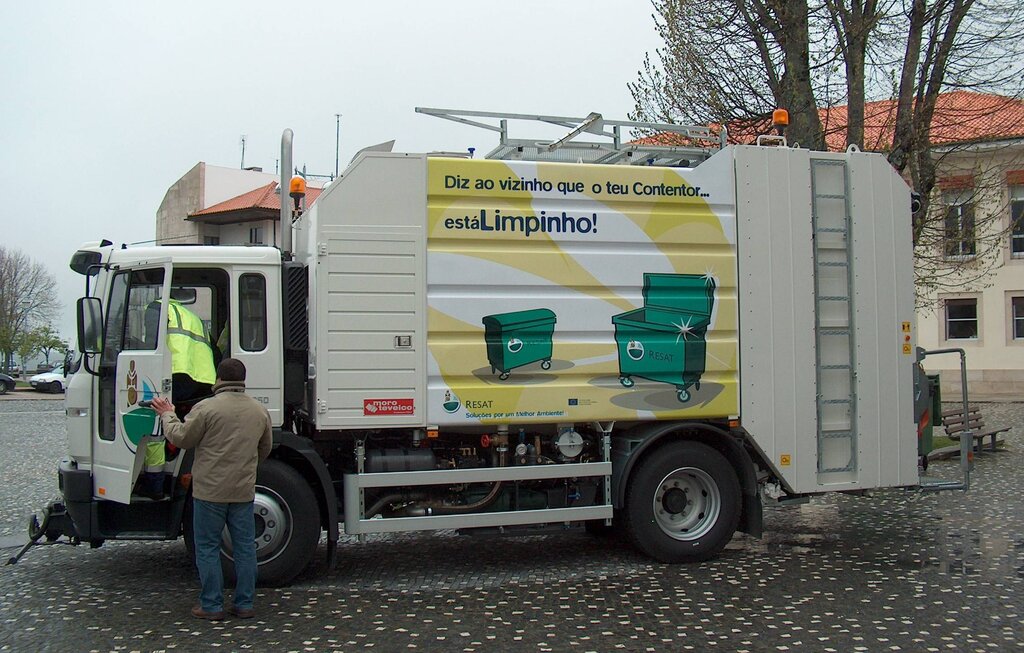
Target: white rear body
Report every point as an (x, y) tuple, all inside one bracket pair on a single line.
[(399, 289)]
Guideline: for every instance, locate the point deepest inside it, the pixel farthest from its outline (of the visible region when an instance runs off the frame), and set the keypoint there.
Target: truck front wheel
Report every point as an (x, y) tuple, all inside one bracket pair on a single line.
[(287, 526), (682, 503)]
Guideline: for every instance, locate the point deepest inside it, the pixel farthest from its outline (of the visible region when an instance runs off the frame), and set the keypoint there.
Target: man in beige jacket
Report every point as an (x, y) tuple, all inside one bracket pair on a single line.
[(231, 434)]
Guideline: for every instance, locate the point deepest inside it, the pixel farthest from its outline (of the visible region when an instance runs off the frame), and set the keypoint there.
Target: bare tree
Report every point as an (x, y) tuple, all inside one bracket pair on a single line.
[(719, 65), (951, 44), (853, 22), (732, 61), (28, 297)]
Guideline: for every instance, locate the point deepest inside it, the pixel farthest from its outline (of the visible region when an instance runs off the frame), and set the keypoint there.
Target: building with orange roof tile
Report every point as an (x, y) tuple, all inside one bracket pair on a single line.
[(978, 142), (215, 205)]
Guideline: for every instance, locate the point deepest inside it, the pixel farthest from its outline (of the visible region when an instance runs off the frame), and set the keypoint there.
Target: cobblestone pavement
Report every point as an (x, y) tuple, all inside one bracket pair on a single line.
[(895, 572)]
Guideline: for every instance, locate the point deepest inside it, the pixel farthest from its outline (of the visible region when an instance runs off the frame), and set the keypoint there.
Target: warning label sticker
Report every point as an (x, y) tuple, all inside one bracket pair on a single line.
[(388, 407)]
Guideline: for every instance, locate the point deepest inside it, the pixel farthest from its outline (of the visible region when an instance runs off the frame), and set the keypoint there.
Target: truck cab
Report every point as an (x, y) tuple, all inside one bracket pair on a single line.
[(123, 319)]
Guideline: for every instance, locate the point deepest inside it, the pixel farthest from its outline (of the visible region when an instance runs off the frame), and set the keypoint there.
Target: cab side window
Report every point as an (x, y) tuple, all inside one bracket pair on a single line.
[(252, 312)]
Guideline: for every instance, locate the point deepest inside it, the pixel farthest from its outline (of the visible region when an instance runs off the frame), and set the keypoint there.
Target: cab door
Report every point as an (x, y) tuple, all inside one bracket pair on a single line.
[(134, 366)]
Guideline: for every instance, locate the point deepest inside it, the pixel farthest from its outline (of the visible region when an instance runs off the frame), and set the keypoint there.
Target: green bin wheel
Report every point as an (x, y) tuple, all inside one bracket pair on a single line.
[(546, 365), (684, 396), (504, 375), (626, 382)]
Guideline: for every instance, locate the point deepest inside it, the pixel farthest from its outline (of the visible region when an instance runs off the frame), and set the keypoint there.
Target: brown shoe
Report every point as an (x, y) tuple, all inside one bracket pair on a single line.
[(199, 613), (242, 613)]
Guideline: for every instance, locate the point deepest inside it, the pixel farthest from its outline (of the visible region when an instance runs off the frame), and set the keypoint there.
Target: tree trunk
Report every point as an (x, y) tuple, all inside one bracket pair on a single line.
[(903, 136), (797, 94)]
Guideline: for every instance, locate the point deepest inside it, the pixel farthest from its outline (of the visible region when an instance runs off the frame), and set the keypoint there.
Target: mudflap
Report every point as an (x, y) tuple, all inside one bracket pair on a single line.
[(52, 524)]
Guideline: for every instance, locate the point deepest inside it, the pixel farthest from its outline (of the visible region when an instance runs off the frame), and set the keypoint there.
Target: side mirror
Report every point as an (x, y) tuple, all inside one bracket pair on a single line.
[(90, 325)]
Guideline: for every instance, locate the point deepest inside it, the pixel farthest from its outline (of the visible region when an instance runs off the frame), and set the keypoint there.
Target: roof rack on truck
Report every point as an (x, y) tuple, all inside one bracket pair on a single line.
[(613, 147)]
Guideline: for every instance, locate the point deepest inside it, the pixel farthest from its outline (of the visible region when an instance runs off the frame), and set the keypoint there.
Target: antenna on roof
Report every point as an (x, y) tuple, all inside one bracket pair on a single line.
[(243, 152)]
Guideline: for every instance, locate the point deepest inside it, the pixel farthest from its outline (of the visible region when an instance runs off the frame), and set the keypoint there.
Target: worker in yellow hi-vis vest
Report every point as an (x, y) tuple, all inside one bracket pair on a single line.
[(192, 375)]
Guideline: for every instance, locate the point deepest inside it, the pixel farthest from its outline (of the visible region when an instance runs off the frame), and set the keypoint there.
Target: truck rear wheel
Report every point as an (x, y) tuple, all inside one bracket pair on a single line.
[(682, 503), (287, 526)]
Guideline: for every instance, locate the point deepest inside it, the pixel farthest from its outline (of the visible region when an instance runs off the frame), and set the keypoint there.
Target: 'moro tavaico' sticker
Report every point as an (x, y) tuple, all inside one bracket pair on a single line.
[(388, 407)]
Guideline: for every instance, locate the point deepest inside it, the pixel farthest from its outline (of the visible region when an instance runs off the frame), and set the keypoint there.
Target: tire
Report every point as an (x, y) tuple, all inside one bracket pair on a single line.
[(285, 549), (56, 387), (682, 503), (3, 388)]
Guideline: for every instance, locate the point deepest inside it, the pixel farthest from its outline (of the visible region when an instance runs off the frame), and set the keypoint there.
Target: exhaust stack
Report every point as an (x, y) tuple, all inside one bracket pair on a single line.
[(286, 171)]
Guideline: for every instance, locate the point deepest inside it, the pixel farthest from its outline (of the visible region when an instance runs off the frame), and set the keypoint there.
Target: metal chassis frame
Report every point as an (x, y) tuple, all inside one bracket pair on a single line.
[(354, 486)]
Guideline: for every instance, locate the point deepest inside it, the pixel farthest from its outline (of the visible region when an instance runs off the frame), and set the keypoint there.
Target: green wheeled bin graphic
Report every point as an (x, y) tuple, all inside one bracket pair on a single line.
[(665, 340), (519, 338)]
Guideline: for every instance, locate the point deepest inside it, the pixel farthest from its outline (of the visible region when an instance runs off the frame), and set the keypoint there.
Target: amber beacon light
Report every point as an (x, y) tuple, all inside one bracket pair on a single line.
[(297, 190), (780, 120)]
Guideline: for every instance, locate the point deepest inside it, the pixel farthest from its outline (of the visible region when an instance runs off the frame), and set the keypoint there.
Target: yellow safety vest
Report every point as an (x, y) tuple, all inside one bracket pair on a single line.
[(191, 352)]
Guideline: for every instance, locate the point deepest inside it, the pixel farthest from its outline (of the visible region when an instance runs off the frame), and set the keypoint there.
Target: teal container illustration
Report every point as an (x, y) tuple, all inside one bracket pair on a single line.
[(519, 338), (665, 340)]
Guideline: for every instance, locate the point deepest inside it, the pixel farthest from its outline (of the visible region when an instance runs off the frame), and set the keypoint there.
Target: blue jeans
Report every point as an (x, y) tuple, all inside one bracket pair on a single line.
[(208, 521)]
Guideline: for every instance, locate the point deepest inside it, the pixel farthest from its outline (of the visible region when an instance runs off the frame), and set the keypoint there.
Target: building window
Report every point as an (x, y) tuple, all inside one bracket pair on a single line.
[(959, 232), (961, 319), (1018, 317), (1017, 221), (255, 235), (211, 240)]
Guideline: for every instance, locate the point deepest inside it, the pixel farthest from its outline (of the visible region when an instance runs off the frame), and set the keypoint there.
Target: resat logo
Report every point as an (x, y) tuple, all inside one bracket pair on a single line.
[(635, 349), (451, 402)]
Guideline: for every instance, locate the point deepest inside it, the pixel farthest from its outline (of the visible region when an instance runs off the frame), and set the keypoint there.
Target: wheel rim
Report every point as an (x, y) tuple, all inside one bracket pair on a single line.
[(273, 526), (687, 504)]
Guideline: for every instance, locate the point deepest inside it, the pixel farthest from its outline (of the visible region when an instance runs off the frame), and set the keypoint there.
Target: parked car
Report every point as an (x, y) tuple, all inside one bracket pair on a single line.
[(52, 381), (6, 384)]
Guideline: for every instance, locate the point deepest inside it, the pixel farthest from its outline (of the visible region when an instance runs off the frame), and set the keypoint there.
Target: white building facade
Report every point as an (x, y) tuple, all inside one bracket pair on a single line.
[(981, 194)]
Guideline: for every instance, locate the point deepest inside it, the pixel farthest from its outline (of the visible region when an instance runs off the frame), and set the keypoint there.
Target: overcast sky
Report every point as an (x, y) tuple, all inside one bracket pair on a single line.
[(105, 105)]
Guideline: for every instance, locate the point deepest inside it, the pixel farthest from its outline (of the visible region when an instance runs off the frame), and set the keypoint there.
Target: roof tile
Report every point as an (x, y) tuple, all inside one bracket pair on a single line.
[(960, 117), (263, 197)]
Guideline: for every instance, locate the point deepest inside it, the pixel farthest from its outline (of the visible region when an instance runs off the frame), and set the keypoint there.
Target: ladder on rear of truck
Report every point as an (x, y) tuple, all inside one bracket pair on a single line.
[(834, 317)]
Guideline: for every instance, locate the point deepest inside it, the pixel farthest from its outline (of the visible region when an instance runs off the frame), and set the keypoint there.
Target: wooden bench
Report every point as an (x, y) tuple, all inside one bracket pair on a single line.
[(953, 420)]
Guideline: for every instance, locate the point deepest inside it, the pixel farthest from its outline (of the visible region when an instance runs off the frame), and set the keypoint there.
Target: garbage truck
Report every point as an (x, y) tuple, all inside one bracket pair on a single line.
[(652, 337)]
